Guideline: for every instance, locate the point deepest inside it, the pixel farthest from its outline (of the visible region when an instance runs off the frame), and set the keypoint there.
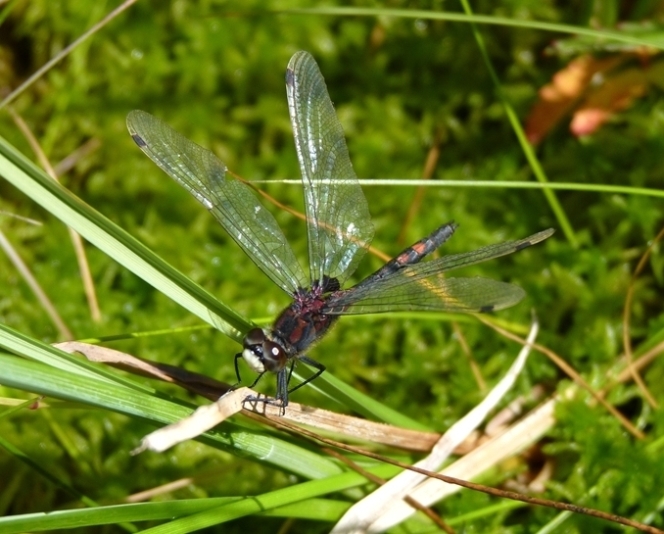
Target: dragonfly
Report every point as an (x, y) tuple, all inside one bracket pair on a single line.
[(339, 231)]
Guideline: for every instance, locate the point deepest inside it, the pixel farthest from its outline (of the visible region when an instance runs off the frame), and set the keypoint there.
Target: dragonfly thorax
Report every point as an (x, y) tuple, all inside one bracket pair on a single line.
[(261, 353)]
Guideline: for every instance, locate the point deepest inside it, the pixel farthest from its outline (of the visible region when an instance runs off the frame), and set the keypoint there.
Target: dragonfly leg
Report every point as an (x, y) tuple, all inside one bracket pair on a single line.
[(282, 392), (237, 374), (284, 377), (320, 369), (237, 370)]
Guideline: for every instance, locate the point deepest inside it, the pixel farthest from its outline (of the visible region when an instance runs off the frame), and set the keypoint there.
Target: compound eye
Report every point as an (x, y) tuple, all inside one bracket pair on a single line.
[(274, 357), (255, 336)]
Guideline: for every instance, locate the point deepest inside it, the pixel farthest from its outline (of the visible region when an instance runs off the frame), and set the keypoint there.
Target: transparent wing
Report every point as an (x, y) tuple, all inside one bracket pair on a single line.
[(422, 287), (232, 203), (467, 295), (339, 224)]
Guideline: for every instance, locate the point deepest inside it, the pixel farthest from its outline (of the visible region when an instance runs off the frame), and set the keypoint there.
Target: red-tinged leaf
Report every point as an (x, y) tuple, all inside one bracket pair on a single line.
[(565, 90), (615, 94)]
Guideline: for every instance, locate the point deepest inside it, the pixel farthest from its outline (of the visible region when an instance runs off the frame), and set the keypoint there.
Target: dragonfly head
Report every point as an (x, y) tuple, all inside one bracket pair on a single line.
[(261, 353)]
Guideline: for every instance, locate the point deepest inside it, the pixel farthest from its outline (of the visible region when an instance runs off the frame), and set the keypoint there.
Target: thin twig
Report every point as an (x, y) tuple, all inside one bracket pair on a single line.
[(627, 343), (77, 242), (41, 295)]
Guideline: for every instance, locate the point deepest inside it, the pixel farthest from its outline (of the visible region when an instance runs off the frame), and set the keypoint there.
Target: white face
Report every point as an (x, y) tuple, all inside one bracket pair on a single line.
[(253, 361)]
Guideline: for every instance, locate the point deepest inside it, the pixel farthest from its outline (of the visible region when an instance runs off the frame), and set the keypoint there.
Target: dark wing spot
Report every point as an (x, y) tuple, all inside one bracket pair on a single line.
[(139, 140), (488, 308), (290, 78)]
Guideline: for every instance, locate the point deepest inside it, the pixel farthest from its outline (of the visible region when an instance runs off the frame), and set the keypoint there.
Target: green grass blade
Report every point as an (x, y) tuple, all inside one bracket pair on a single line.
[(296, 504), (39, 378), (115, 242), (260, 503), (19, 343), (653, 39)]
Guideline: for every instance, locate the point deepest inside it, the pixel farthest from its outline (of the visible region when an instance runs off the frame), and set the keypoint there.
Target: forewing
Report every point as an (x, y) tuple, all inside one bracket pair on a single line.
[(339, 224), (232, 203)]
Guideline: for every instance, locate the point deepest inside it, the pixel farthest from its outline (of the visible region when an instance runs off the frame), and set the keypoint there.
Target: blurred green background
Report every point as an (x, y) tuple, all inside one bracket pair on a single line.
[(403, 89)]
